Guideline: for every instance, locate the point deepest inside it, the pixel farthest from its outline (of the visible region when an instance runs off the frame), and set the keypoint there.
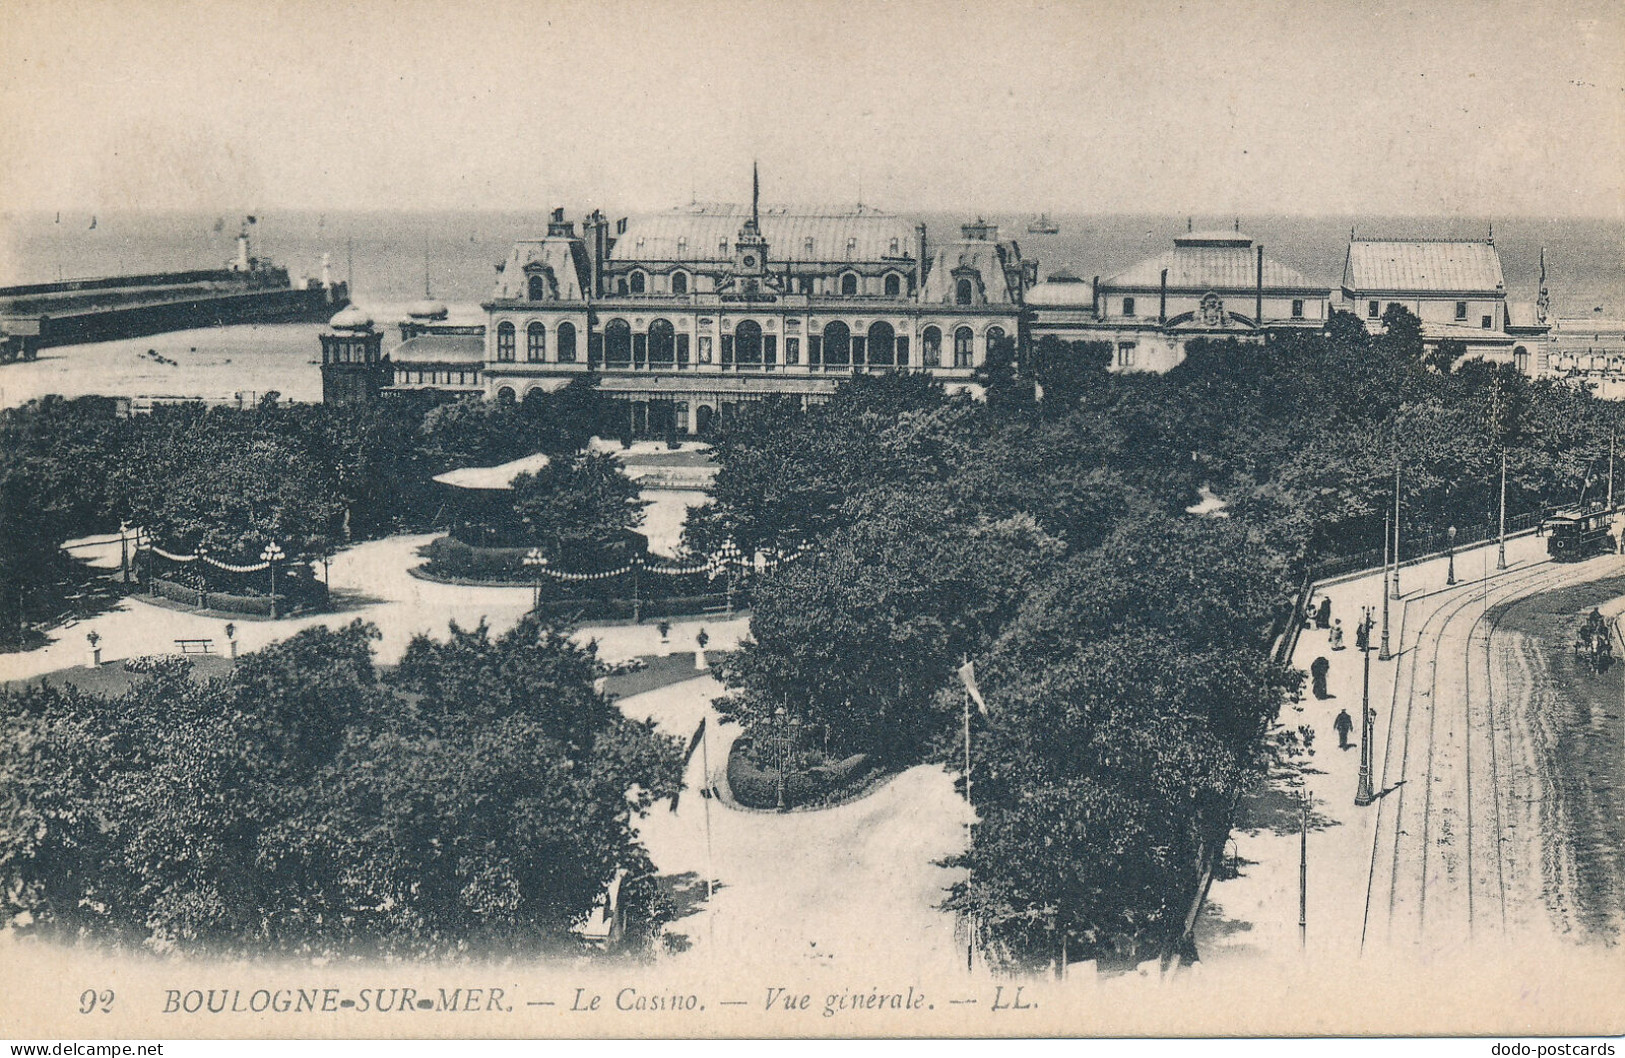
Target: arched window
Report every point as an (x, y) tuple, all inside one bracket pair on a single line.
[(566, 338), (679, 282), (748, 343), (617, 344), (849, 284), (931, 347), (505, 395), (894, 284), (964, 291), (635, 282), (882, 344), (538, 288), (535, 343), (505, 342), (662, 344), (837, 344), (964, 347), (994, 334)]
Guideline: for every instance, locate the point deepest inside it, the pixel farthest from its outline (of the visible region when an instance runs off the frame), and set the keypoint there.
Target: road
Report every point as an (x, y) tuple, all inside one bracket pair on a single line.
[(1483, 830), (854, 888)]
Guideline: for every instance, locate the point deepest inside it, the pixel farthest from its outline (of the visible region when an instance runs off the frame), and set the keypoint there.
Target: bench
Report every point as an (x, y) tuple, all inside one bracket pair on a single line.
[(195, 646)]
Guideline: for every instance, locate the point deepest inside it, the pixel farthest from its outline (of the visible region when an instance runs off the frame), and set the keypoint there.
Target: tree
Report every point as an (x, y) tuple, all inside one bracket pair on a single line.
[(576, 508), (480, 800)]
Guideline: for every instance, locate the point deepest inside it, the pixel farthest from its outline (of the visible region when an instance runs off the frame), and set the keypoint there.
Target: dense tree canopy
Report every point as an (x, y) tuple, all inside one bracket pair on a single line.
[(1122, 643), (310, 477), (480, 799)]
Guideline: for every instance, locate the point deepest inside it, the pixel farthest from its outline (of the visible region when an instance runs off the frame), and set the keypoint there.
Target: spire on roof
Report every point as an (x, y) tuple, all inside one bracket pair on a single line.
[(755, 195)]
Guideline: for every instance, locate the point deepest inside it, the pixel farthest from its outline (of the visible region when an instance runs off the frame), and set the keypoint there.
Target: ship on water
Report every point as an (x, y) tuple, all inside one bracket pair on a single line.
[(247, 290), (1042, 225)]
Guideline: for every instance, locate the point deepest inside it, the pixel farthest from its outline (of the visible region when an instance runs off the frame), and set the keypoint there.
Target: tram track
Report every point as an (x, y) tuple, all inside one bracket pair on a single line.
[(1445, 754)]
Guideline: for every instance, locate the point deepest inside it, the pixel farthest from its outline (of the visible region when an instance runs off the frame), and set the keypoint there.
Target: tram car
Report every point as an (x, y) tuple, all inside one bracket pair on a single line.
[(1575, 533)]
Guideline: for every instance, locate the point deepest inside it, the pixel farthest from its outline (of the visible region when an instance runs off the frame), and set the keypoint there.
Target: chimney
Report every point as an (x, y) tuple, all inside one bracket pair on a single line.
[(1162, 300), (919, 251), (1094, 296), (1258, 303)]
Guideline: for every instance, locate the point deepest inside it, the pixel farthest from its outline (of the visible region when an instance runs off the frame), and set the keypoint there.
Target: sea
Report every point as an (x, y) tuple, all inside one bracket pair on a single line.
[(391, 258)]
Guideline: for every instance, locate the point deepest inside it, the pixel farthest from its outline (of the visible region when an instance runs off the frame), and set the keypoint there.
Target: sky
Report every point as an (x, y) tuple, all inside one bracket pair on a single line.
[(1124, 106)]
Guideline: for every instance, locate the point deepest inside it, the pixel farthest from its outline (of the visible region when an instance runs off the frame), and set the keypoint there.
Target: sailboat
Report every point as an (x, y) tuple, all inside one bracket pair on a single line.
[(1042, 225)]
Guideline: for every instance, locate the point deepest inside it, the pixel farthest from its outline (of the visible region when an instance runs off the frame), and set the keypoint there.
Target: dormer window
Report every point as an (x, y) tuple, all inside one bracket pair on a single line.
[(640, 244), (722, 247), (849, 284), (807, 247), (964, 292), (682, 246), (679, 282), (894, 284), (635, 282), (851, 246), (893, 248)]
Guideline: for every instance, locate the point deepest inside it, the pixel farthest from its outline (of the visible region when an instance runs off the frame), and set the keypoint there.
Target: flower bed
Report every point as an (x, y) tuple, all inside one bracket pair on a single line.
[(756, 785)]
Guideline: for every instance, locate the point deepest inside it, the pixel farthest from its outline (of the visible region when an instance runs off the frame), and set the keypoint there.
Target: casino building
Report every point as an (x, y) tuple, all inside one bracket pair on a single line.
[(688, 313)]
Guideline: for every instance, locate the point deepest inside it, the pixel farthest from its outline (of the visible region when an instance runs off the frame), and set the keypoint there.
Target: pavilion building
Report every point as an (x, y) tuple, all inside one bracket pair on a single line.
[(1213, 285), (1454, 286)]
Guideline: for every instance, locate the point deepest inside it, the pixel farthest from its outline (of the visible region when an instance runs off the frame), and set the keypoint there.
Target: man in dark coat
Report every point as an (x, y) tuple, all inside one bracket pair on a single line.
[(1323, 617), (1317, 671), (1343, 725)]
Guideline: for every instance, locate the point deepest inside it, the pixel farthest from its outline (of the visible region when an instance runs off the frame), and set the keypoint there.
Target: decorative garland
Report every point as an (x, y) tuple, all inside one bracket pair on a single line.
[(184, 559)]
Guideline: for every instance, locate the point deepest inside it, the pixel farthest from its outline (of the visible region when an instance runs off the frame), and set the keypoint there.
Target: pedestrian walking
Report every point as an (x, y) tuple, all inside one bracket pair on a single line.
[(1343, 725), (1362, 636), (1337, 634), (1318, 670), (1323, 617)]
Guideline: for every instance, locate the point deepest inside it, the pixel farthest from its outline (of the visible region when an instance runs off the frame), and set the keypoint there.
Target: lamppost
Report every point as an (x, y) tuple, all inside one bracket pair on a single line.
[(1362, 794), (124, 551), (728, 554), (272, 555), (1450, 577), (537, 562), (1385, 653)]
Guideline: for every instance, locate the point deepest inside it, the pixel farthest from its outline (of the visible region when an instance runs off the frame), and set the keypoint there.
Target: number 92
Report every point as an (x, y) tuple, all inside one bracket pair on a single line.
[(91, 1000)]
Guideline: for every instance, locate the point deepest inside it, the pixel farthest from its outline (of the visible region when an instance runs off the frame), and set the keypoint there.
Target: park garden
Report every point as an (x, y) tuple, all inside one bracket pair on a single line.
[(1014, 588)]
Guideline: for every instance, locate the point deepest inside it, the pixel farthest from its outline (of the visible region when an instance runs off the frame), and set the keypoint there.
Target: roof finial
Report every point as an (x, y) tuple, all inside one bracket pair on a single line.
[(426, 293), (1188, 228), (1238, 225), (1492, 233), (755, 195)]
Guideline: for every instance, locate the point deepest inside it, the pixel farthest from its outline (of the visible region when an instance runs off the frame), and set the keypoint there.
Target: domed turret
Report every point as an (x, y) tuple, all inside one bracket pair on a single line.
[(350, 318), (427, 309)]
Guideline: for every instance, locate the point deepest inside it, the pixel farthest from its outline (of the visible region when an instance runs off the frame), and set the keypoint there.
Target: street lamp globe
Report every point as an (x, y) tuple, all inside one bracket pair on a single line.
[(272, 553)]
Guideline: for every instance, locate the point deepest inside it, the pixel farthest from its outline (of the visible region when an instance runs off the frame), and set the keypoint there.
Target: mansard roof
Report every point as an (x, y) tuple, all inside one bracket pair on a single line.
[(1429, 266), (564, 258), (697, 233), (1202, 263), (955, 260)]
